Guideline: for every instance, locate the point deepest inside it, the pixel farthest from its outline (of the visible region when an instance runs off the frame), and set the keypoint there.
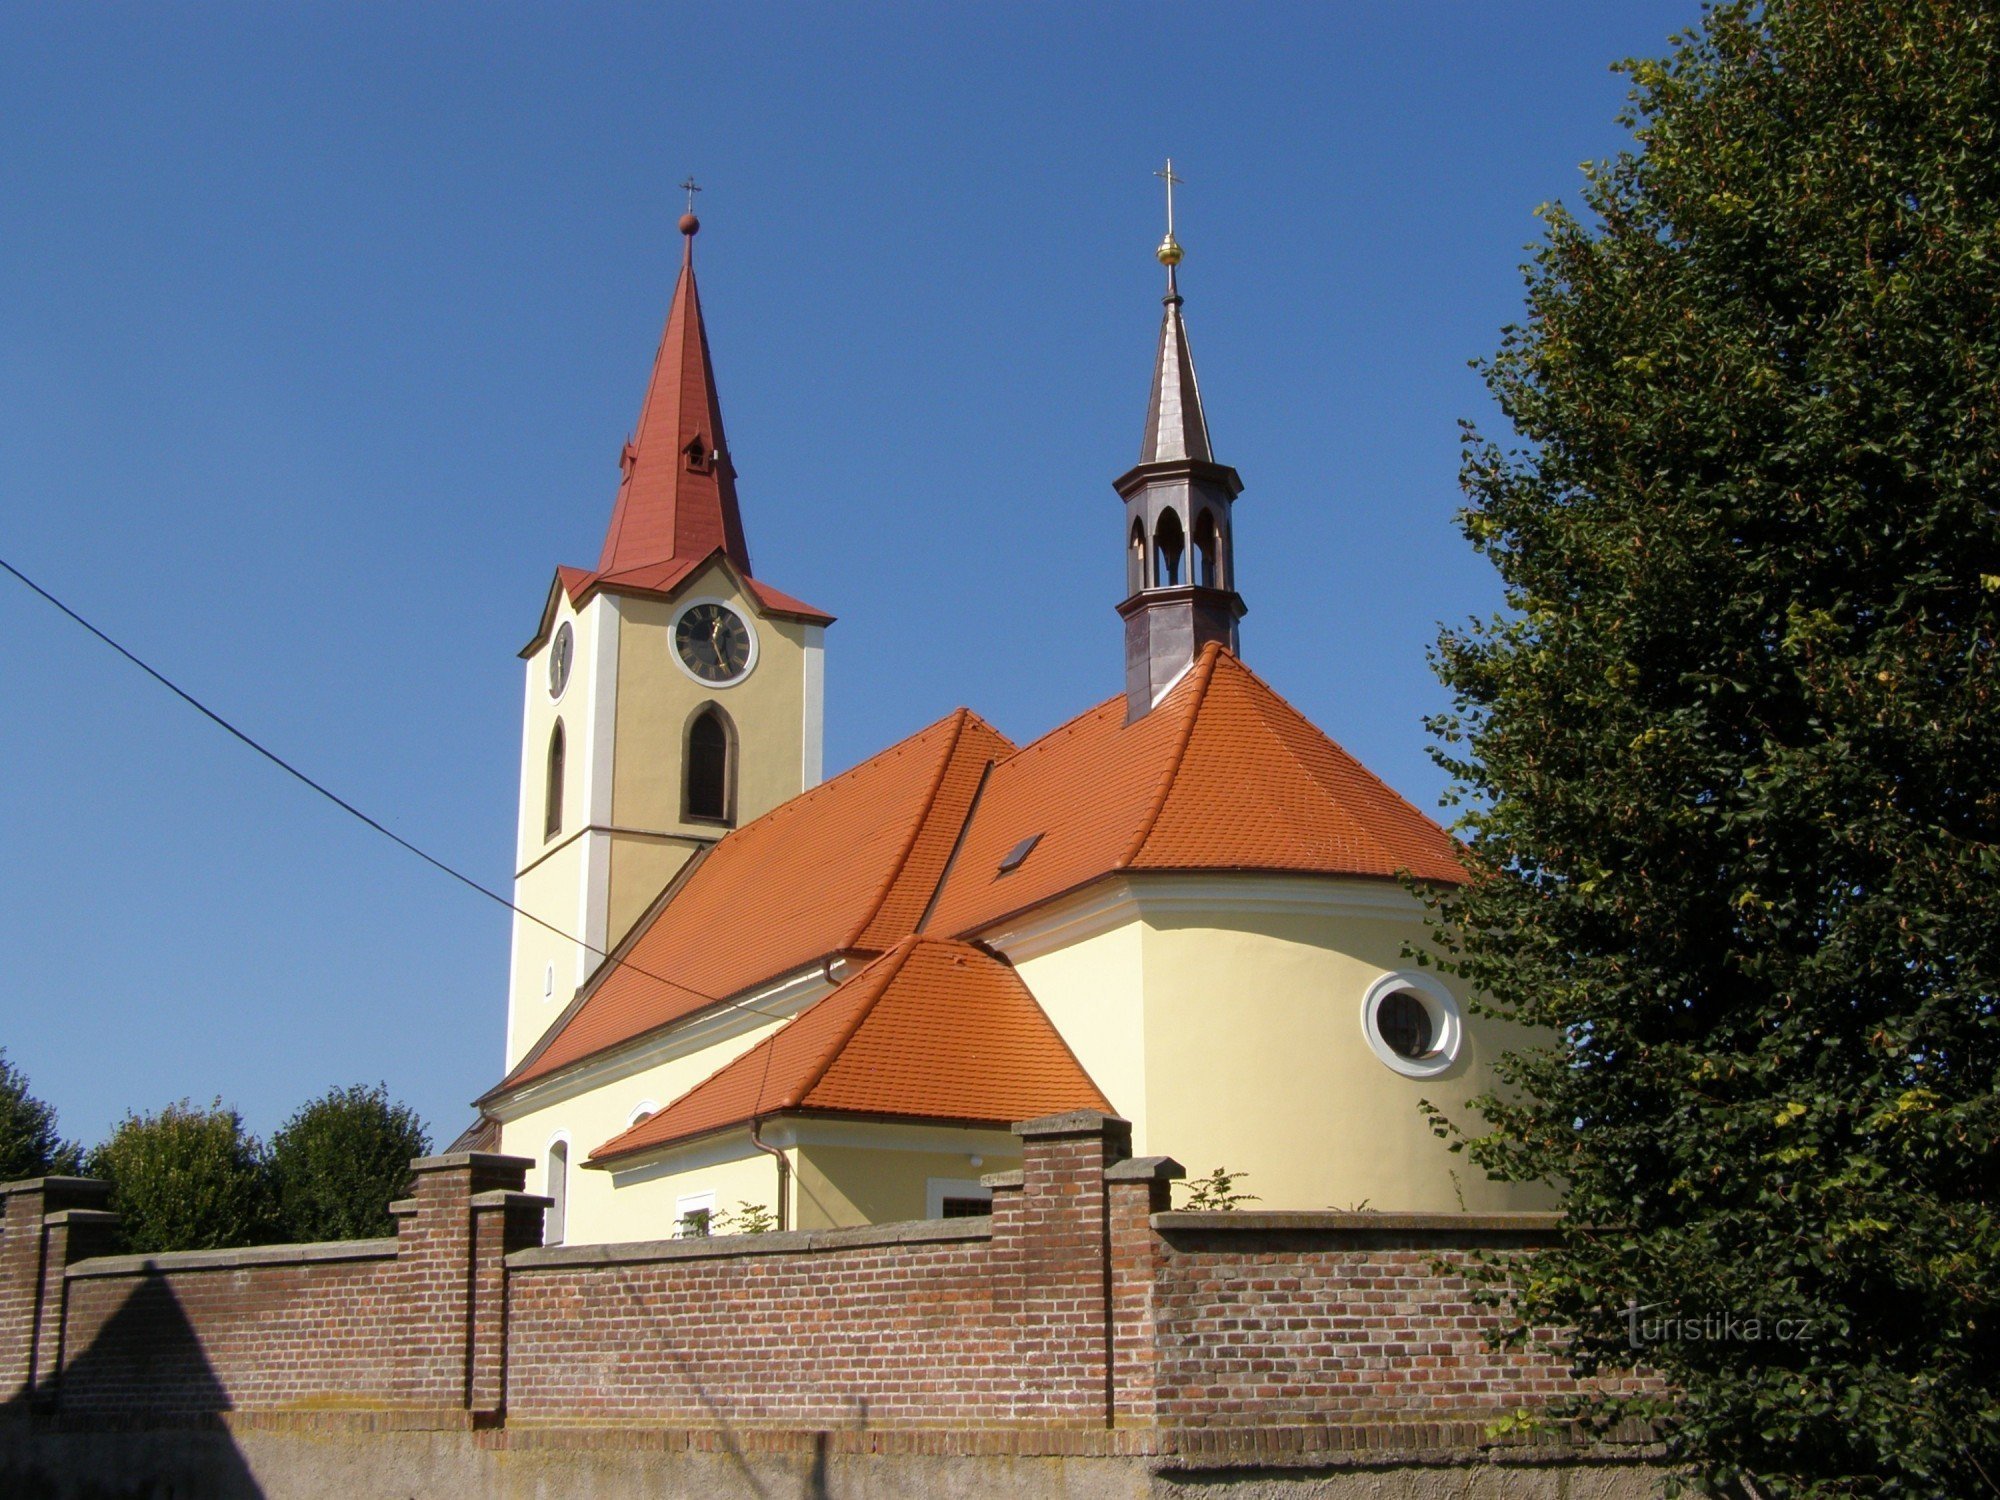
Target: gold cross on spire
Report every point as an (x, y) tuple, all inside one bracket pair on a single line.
[(1170, 179), (692, 187), (1169, 252)]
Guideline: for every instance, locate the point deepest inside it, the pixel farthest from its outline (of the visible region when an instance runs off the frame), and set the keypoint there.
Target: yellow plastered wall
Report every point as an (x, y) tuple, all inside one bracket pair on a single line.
[(1254, 1055), (598, 1213), (625, 713), (1091, 991), (552, 874), (843, 1185), (658, 699)]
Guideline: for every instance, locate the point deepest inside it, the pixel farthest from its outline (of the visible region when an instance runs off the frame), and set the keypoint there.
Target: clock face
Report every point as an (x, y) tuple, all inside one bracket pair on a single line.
[(561, 651), (713, 642)]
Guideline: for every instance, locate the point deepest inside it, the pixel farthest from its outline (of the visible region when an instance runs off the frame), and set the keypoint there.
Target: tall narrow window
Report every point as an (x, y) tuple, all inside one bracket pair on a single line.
[(1135, 559), (711, 767), (552, 793), (557, 1188), (1169, 542), (1207, 552)]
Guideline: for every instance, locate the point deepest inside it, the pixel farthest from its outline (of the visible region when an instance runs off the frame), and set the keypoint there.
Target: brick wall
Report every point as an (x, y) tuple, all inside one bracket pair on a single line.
[(1306, 1318), (1080, 1305)]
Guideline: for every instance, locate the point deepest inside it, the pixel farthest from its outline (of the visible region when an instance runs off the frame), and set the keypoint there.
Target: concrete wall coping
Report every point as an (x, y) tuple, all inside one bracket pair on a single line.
[(89, 1186), (1001, 1181), (1071, 1122), (76, 1216), (233, 1260), (1446, 1227), (469, 1159), (1146, 1169), (913, 1232), (507, 1197)]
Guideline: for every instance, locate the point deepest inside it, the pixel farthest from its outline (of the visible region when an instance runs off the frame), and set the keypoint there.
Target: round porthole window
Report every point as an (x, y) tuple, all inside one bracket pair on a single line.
[(1412, 1024)]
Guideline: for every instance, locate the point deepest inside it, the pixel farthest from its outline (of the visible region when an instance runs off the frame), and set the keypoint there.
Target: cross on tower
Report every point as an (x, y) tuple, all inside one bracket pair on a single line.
[(692, 187), (1170, 179)]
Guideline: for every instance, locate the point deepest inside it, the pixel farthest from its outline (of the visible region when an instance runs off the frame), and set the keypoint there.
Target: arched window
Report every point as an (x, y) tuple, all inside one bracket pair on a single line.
[(1135, 559), (1169, 542), (552, 792), (1207, 552), (557, 1188), (710, 795)]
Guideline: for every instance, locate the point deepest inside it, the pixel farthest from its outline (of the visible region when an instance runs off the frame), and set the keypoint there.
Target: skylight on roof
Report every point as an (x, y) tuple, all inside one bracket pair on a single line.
[(1019, 853)]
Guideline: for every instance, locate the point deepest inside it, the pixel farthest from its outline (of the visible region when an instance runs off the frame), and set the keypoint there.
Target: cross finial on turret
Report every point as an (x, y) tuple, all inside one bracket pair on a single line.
[(690, 225), (1169, 252)]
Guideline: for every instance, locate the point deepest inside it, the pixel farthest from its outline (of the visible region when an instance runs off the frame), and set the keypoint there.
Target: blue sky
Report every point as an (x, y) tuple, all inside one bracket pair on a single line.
[(321, 328)]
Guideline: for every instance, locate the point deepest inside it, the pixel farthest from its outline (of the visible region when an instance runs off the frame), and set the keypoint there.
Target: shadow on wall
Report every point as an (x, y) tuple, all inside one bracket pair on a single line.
[(145, 1357)]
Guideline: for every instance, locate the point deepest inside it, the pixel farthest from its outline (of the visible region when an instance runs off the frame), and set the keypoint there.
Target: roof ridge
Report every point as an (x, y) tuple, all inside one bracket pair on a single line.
[(895, 958), (1204, 674), (1047, 735), (958, 717)]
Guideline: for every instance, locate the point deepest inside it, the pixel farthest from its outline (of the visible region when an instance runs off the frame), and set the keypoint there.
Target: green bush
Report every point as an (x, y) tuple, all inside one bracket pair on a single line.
[(186, 1179), (338, 1163)]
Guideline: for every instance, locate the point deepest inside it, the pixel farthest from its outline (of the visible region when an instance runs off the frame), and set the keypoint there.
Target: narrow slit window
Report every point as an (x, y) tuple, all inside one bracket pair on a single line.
[(1207, 552), (1169, 542), (1135, 559), (557, 1188), (710, 757), (552, 793)]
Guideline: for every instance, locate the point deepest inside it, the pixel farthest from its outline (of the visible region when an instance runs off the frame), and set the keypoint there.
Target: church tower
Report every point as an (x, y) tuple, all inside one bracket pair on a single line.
[(1180, 557), (671, 695)]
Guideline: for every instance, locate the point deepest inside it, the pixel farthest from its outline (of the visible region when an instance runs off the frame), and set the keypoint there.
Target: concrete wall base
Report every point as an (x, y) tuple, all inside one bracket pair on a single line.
[(364, 1459)]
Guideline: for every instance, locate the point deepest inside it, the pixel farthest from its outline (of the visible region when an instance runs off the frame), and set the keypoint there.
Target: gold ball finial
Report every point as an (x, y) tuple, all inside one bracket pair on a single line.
[(1169, 253)]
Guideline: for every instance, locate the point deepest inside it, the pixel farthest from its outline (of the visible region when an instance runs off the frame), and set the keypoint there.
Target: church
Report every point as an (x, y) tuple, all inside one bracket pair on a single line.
[(734, 983)]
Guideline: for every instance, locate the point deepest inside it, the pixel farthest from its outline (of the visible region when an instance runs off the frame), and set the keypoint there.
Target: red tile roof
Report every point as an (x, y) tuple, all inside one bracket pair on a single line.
[(931, 1030), (846, 868), (671, 516), (669, 506), (1223, 774)]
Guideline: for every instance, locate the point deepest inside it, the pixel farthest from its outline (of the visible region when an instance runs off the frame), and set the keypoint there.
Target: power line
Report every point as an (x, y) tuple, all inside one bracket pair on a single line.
[(349, 808)]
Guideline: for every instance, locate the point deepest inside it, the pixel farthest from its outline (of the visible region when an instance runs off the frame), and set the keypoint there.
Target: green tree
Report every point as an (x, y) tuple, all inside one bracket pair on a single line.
[(186, 1179), (29, 1145), (339, 1162), (1732, 757)]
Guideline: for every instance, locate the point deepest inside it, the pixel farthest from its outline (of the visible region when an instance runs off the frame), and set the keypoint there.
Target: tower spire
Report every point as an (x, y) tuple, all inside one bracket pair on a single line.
[(677, 493), (1179, 538)]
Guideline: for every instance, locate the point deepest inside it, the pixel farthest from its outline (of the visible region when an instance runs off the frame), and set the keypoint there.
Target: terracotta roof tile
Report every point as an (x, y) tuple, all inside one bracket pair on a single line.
[(931, 1030), (1223, 774), (846, 867)]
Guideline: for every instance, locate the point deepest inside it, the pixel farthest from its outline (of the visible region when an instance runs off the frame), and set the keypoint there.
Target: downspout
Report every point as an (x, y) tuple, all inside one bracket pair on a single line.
[(784, 1174), (784, 1165)]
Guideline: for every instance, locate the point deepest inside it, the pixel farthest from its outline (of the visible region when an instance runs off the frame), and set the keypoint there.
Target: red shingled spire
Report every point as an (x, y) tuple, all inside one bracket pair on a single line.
[(677, 499)]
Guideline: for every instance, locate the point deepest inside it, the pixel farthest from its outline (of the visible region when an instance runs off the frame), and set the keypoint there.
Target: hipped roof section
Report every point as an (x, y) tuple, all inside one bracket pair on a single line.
[(931, 1030), (846, 868), (1223, 775)]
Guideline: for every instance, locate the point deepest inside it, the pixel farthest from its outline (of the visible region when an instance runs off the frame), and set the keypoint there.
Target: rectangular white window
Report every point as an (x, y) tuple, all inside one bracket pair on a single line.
[(693, 1215), (956, 1198)]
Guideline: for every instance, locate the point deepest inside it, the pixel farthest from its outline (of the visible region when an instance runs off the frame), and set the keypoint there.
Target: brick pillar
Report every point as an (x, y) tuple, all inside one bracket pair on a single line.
[(1136, 1190), (1051, 1254), (48, 1222), (503, 1221), (438, 1271)]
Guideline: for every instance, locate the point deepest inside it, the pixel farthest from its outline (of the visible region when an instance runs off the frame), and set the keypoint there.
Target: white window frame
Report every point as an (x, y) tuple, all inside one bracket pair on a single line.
[(693, 1203), (937, 1189), (1447, 1023)]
